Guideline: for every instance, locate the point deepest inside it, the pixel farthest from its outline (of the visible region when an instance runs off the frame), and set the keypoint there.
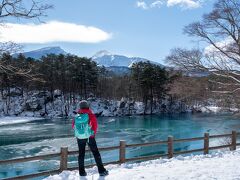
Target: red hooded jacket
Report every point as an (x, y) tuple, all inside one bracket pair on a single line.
[(92, 119)]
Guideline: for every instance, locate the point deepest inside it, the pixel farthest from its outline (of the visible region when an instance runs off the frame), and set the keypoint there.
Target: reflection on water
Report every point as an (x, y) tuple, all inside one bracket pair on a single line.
[(47, 136)]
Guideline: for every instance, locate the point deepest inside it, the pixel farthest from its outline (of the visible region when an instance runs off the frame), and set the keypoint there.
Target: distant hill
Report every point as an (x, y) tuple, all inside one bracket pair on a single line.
[(118, 64), (115, 64), (37, 54), (105, 58)]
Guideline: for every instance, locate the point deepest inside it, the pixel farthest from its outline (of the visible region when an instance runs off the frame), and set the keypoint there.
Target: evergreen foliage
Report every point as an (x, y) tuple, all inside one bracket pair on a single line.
[(79, 76)]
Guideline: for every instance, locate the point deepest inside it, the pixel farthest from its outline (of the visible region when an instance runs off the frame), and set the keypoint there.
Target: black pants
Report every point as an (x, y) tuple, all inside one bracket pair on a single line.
[(93, 147)]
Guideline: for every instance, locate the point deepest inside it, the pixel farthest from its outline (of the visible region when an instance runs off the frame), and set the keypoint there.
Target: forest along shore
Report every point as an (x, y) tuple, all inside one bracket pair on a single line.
[(40, 104)]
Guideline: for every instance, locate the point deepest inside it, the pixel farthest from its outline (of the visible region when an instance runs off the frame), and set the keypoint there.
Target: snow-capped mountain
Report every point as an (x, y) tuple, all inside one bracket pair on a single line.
[(105, 58), (102, 58), (37, 54)]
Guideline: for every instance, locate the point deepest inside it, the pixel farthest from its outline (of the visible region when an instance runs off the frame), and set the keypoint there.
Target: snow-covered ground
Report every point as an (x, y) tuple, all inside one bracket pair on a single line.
[(220, 166), (7, 120), (216, 109), (43, 104)]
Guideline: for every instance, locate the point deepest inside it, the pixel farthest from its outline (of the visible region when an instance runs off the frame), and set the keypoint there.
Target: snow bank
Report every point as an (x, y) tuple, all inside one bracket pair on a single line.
[(210, 109), (16, 120), (215, 109), (42, 104), (220, 165)]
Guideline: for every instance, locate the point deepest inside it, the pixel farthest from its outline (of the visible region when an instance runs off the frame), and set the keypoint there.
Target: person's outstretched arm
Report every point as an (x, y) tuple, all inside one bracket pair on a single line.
[(73, 123), (93, 122)]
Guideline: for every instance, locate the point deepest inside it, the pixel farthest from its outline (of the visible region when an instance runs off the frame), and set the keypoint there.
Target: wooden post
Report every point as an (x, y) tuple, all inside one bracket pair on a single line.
[(206, 143), (122, 151), (234, 141), (170, 146), (63, 158)]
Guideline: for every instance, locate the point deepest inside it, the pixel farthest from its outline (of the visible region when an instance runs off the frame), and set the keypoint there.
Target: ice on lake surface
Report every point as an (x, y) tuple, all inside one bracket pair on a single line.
[(8, 120), (41, 136)]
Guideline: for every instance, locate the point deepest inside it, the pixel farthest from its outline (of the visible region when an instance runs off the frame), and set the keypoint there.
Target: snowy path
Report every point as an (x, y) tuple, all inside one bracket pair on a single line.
[(220, 166)]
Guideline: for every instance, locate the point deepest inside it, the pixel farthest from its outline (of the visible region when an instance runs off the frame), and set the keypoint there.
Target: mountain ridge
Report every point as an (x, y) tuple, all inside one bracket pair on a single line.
[(102, 58), (107, 59), (38, 53)]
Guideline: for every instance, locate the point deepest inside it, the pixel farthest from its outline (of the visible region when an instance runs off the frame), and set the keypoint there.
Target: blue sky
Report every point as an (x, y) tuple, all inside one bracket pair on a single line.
[(147, 29)]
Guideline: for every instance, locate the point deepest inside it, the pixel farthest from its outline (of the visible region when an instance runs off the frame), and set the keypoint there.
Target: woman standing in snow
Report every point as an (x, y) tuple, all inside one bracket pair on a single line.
[(85, 127)]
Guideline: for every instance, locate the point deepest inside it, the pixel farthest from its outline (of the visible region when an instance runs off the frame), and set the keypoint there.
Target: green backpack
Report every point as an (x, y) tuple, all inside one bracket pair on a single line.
[(82, 128)]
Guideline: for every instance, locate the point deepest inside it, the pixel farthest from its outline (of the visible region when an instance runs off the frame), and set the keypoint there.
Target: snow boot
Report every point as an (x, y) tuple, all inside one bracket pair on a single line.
[(104, 173), (82, 172)]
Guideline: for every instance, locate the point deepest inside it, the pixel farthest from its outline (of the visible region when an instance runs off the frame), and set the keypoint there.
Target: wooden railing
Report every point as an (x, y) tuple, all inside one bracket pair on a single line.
[(64, 153)]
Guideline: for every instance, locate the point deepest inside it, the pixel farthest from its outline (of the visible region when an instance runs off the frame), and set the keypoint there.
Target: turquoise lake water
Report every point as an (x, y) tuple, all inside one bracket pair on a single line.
[(48, 135)]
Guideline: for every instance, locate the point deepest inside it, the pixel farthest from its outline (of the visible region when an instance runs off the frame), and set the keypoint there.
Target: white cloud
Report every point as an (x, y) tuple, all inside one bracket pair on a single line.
[(184, 4), (53, 31), (224, 44), (156, 4), (188, 4), (142, 5), (220, 60)]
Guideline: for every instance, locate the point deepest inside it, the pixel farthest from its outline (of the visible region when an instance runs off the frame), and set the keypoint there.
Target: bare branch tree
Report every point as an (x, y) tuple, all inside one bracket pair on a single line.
[(225, 77), (10, 47), (23, 9), (220, 29), (26, 9), (185, 59)]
